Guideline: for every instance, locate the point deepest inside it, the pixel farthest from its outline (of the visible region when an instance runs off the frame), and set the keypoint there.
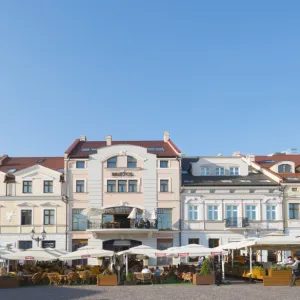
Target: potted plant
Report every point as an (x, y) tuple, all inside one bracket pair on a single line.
[(130, 279), (278, 276), (205, 276), (107, 278), (8, 280)]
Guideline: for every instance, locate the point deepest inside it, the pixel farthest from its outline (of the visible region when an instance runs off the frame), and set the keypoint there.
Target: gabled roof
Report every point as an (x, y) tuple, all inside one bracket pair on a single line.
[(21, 163), (76, 149), (268, 161)]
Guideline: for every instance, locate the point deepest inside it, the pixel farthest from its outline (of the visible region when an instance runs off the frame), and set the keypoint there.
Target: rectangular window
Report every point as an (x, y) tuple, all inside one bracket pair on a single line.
[(79, 186), (80, 164), (163, 244), (132, 186), (164, 185), (220, 171), (234, 171), (25, 245), (294, 211), (212, 191), (193, 212), (164, 218), (111, 186), (212, 212), (212, 243), (112, 162), (122, 186), (48, 244), (163, 163), (26, 217), (251, 212), (27, 187), (49, 217), (231, 191), (271, 212), (48, 187), (79, 221), (294, 189), (204, 171)]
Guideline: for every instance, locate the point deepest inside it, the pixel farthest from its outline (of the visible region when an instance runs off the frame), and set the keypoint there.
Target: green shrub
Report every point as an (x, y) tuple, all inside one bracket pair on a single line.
[(130, 276), (206, 268)]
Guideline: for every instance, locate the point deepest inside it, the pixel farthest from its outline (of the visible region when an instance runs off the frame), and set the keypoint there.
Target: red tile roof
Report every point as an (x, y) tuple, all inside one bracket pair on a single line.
[(274, 159), (21, 163), (75, 150)]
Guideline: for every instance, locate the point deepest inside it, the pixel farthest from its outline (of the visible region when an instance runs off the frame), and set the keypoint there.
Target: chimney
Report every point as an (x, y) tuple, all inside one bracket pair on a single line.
[(250, 157), (83, 138), (108, 140), (2, 158), (166, 136)]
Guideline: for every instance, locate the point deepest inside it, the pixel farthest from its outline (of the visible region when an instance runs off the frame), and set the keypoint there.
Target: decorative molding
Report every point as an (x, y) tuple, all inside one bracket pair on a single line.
[(9, 216), (122, 152), (123, 203), (26, 204), (276, 200), (49, 204), (194, 200)]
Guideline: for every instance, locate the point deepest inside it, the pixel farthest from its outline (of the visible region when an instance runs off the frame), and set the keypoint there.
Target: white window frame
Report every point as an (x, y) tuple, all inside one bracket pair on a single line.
[(43, 215), (169, 185), (32, 220), (251, 212), (232, 171), (85, 185), (168, 163), (220, 173), (270, 210), (194, 210), (206, 171), (214, 211)]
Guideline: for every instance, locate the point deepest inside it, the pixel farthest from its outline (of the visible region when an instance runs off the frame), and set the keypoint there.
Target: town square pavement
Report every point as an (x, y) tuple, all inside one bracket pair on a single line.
[(155, 292)]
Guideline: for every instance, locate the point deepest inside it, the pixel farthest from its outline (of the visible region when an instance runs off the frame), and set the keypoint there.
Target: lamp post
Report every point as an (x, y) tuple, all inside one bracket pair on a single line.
[(38, 239), (246, 233)]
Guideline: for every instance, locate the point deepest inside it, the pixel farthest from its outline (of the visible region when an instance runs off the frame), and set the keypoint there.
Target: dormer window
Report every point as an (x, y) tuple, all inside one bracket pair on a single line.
[(220, 171), (234, 171), (131, 162), (204, 171), (284, 168), (112, 162)]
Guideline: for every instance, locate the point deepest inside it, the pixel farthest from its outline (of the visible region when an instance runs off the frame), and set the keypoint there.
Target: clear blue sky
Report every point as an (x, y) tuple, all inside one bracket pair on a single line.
[(221, 76)]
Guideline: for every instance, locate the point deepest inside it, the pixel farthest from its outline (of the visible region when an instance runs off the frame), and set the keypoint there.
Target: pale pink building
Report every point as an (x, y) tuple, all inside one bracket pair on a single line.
[(118, 177)]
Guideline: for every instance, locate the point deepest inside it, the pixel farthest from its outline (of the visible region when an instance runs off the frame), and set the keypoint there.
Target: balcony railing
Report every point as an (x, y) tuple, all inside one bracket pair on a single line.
[(121, 225), (236, 222)]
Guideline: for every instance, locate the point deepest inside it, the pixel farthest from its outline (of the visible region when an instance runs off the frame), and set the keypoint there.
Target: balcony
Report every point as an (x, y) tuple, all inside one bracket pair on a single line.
[(236, 223), (122, 227)]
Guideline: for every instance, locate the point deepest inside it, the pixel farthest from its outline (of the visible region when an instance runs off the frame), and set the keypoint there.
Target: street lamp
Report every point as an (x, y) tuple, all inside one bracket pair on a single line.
[(246, 232), (257, 233), (38, 239)]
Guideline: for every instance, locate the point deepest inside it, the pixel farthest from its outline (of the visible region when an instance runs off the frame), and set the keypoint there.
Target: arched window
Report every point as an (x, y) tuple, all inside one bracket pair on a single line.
[(131, 162), (284, 168), (112, 162)]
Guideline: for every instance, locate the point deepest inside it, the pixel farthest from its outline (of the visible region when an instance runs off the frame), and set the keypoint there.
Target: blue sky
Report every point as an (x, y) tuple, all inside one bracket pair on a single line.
[(221, 76)]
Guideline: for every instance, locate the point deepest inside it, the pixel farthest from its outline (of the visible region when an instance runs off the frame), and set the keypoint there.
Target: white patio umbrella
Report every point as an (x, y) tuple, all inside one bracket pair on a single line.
[(276, 241), (141, 250), (92, 212), (190, 250), (86, 253), (41, 254), (132, 215), (153, 215)]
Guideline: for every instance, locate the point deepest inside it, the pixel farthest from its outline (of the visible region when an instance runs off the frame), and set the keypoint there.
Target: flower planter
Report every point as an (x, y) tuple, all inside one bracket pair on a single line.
[(258, 274), (203, 279), (278, 278), (9, 283), (107, 280)]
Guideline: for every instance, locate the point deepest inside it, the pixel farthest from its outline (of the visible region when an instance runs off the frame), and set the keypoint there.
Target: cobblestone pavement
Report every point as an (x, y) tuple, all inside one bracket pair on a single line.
[(155, 292)]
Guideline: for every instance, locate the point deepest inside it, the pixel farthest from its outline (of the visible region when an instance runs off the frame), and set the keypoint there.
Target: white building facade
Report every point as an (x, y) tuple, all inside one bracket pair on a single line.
[(224, 199), (31, 199), (118, 177)]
